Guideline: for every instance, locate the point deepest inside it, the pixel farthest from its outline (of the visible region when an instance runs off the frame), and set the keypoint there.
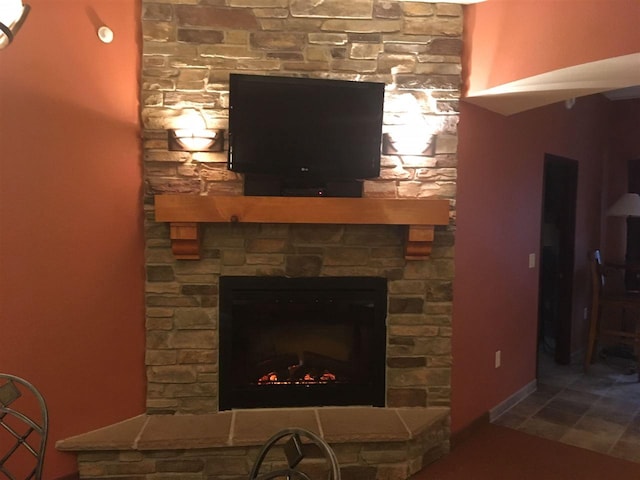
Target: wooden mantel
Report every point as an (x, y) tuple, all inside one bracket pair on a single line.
[(186, 212)]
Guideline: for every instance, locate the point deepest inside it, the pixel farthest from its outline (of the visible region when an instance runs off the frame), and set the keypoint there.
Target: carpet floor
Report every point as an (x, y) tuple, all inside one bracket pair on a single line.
[(493, 452)]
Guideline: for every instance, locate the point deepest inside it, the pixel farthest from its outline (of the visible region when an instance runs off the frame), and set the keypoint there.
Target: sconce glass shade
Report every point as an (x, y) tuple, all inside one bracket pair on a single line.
[(408, 144), (628, 205), (12, 15), (202, 140)]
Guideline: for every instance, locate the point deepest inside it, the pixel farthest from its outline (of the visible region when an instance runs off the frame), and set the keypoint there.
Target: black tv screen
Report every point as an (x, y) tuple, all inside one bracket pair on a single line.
[(304, 130)]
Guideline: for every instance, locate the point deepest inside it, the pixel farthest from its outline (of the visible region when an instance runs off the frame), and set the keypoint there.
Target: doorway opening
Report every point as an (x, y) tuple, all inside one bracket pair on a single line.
[(632, 255), (557, 237)]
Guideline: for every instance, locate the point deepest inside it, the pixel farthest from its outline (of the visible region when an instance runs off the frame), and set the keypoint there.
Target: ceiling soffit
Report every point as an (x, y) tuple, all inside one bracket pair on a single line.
[(618, 78)]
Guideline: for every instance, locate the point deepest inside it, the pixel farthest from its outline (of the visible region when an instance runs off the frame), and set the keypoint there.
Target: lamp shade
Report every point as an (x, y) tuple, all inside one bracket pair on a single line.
[(628, 205), (12, 16)]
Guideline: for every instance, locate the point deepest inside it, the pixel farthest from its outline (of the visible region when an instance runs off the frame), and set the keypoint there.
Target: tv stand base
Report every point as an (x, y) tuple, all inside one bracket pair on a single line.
[(269, 186)]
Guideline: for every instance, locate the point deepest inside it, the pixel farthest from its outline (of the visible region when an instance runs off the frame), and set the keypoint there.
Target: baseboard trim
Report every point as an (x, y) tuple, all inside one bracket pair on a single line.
[(517, 397), (494, 413)]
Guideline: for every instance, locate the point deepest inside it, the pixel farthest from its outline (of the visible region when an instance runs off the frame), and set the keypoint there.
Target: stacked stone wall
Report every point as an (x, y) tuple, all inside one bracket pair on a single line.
[(189, 49)]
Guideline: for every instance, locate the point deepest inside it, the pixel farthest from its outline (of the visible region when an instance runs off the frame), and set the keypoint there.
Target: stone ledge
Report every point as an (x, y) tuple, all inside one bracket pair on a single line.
[(253, 427)]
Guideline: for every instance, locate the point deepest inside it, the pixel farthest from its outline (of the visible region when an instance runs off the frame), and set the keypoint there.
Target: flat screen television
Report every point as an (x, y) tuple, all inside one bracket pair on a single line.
[(304, 136)]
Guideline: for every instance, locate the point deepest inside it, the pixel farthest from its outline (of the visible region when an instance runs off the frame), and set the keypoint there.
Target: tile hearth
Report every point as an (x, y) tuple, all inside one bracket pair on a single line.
[(370, 443)]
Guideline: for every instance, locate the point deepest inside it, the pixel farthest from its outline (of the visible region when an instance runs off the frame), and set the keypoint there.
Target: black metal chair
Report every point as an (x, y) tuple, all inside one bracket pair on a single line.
[(295, 449), (24, 425)]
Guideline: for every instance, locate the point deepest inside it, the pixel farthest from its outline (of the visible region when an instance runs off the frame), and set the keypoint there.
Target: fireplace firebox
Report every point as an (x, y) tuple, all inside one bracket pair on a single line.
[(294, 342)]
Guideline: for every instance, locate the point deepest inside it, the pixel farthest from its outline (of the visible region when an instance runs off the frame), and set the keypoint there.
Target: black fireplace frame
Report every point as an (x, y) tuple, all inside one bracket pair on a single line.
[(370, 290)]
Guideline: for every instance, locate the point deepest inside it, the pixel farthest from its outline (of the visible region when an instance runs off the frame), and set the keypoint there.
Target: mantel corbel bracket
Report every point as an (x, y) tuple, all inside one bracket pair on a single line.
[(419, 241), (185, 240)]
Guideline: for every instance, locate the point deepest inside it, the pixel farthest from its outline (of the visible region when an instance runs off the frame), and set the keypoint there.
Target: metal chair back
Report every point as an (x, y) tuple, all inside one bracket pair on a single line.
[(296, 444), (24, 425)]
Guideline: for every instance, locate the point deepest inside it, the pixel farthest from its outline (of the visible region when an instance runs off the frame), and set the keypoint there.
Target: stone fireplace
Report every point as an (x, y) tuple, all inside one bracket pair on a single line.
[(183, 298), (185, 433), (188, 52), (183, 346)]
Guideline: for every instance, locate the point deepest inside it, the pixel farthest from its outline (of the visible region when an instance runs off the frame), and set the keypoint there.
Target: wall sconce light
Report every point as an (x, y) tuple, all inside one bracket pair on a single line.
[(408, 144), (12, 15), (200, 140), (628, 205)]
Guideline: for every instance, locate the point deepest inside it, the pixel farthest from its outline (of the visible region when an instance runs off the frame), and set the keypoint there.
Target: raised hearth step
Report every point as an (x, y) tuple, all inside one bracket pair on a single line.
[(253, 427)]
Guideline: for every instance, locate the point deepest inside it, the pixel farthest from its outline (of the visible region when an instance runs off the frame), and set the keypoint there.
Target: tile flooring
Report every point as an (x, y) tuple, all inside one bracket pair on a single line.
[(598, 411)]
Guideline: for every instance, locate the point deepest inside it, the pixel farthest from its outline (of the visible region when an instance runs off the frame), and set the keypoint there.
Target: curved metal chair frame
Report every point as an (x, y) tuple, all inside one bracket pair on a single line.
[(29, 433), (294, 454)]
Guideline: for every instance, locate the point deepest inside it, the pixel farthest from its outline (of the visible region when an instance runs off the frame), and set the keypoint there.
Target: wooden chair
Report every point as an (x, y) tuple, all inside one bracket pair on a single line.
[(296, 444), (615, 313), (23, 429)]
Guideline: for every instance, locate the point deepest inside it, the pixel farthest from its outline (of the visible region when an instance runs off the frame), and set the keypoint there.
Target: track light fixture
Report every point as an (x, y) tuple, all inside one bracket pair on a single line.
[(12, 15)]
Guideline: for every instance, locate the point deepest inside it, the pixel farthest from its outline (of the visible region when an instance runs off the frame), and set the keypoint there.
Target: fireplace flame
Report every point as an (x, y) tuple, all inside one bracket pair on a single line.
[(298, 375)]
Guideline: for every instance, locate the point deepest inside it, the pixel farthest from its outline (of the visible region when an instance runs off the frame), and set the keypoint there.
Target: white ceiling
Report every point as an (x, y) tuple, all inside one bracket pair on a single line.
[(618, 78)]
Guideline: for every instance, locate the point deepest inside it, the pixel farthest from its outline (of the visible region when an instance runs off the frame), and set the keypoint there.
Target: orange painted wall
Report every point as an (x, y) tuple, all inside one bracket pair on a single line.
[(71, 244), (499, 216), (508, 40)]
